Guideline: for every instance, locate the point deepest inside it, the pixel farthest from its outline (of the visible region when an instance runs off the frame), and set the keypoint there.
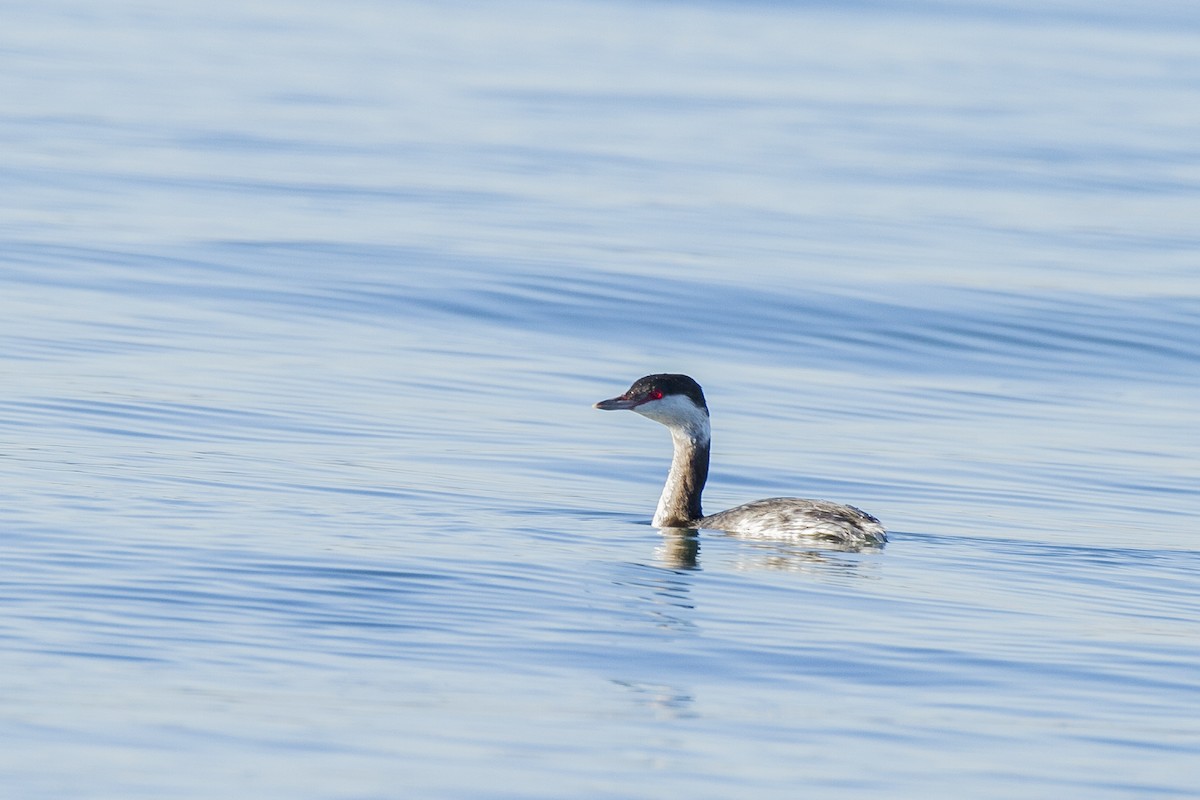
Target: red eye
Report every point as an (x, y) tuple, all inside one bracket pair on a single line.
[(656, 394)]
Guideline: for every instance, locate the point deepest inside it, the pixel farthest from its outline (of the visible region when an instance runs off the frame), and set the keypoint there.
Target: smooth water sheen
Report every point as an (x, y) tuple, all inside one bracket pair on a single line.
[(304, 307)]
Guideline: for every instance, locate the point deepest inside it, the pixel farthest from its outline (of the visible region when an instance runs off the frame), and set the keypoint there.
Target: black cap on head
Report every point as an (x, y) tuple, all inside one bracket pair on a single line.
[(668, 383), (655, 387)]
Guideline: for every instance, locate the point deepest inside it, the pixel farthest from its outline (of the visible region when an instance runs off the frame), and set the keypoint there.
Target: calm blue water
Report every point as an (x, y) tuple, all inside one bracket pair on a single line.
[(303, 308)]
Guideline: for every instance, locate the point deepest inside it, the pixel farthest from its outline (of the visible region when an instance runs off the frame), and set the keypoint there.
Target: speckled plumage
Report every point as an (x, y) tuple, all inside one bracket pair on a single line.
[(678, 402), (795, 516)]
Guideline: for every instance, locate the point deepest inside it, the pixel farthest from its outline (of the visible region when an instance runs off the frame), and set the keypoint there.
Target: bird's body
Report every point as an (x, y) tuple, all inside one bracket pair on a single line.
[(677, 401)]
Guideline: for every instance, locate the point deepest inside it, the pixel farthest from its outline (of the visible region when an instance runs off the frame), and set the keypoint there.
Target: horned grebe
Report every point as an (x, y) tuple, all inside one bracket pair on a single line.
[(678, 402)]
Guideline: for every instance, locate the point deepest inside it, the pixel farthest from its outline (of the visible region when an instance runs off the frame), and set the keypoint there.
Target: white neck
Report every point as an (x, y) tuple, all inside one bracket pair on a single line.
[(679, 504)]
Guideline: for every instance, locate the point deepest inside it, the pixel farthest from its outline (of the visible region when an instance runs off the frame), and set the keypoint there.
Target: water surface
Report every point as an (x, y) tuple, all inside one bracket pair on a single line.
[(305, 308)]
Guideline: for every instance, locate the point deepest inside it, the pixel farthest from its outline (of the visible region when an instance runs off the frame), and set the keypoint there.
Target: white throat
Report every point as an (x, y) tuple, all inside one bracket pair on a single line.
[(679, 504), (681, 415)]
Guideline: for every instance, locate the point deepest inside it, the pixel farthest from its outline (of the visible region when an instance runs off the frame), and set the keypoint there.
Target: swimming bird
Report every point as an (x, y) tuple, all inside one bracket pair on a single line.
[(677, 401)]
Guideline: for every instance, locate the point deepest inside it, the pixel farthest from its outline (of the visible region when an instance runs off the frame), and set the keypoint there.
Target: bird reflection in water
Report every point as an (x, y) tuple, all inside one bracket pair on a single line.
[(679, 549)]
